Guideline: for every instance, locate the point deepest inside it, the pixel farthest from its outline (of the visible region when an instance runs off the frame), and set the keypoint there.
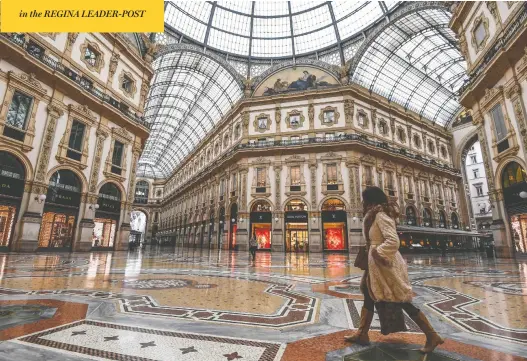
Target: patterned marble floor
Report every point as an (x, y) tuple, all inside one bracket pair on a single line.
[(189, 304)]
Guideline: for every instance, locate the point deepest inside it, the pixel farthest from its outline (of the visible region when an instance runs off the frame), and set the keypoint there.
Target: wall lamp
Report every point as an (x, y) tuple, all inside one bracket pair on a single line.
[(40, 198), (94, 206)]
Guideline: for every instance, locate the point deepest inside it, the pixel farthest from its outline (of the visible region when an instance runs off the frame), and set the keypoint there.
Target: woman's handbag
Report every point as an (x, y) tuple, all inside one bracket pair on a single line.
[(391, 317), (361, 261)]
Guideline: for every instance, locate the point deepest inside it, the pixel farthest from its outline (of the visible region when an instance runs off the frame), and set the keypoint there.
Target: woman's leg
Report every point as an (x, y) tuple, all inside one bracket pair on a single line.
[(432, 337), (366, 315)]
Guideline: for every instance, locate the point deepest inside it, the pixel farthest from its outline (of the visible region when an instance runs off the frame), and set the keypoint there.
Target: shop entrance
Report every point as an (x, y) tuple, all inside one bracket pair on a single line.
[(296, 227), (334, 225), (59, 219), (296, 237), (12, 178), (514, 183), (107, 217), (234, 226), (261, 225)]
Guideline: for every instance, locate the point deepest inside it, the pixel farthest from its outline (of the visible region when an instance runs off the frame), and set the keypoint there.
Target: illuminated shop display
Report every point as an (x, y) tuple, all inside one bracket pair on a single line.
[(60, 211), (7, 217), (261, 224), (107, 216), (12, 175), (296, 227), (334, 221)]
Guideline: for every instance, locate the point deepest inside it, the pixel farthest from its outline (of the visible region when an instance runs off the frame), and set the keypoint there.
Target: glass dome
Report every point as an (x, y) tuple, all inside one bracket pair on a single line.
[(273, 29)]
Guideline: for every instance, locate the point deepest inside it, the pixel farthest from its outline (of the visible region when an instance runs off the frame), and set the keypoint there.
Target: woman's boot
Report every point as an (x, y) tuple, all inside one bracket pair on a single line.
[(361, 335), (432, 337)]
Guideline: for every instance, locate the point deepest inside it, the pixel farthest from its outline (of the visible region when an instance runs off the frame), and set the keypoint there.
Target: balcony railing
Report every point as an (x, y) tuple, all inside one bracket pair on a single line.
[(19, 40), (354, 138)]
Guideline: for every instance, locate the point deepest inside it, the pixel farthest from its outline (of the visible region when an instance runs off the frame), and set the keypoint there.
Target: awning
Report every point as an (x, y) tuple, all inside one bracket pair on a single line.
[(441, 231)]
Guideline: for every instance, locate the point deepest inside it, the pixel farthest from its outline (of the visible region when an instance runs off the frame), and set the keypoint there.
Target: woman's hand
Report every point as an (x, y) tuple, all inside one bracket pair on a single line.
[(380, 259)]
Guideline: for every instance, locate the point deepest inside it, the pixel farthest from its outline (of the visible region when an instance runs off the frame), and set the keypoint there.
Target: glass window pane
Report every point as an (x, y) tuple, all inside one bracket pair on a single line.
[(19, 109)]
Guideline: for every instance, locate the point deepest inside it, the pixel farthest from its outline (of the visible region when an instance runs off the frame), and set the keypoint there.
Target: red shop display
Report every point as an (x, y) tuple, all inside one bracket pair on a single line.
[(263, 236), (334, 238)]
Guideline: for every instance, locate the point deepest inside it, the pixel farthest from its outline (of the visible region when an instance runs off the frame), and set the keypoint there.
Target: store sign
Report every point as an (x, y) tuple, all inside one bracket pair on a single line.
[(334, 216), (61, 196), (107, 205), (261, 217), (300, 216), (11, 186)]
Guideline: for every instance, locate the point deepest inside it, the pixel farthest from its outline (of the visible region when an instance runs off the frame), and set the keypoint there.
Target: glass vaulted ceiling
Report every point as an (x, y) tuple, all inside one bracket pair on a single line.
[(190, 93), (415, 62), (272, 29)]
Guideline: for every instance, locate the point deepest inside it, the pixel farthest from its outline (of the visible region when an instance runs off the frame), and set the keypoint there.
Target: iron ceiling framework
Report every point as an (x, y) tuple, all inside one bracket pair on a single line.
[(411, 58), (415, 61)]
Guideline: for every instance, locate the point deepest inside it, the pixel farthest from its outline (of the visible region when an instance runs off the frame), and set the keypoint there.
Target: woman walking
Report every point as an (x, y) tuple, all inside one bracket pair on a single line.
[(385, 281)]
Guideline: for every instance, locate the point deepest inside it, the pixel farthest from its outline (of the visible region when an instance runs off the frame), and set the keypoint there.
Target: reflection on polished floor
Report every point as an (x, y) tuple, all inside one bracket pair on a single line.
[(189, 304)]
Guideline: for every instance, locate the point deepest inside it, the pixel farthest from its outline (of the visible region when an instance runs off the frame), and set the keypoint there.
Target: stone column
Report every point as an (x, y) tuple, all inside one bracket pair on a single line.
[(278, 239), (355, 238), (315, 237)]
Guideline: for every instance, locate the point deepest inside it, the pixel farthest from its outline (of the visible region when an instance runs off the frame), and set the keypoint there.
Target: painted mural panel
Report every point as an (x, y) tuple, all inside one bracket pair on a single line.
[(295, 79)]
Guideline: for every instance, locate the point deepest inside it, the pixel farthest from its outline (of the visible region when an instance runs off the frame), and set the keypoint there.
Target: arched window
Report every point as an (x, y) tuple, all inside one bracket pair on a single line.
[(410, 216), (455, 220), (110, 191), (261, 206), (141, 192), (295, 205), (427, 218), (333, 204), (442, 219), (513, 174), (11, 167)]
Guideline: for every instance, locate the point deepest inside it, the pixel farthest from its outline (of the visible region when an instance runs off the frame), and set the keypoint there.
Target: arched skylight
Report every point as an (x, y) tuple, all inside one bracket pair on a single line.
[(415, 62), (190, 93), (272, 29)]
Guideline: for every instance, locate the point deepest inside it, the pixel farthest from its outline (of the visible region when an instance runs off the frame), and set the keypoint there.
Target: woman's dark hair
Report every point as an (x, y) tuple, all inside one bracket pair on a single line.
[(373, 196)]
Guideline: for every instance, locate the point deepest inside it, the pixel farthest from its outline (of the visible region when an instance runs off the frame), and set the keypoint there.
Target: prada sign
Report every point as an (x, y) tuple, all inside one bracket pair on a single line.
[(11, 186), (106, 205), (62, 196)]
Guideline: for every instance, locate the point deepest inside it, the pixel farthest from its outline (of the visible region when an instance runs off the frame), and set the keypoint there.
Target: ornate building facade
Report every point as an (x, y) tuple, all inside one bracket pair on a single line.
[(289, 168), (71, 133), (493, 39)]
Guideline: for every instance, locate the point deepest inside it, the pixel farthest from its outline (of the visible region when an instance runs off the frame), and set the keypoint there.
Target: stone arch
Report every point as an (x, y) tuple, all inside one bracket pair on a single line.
[(292, 198), (144, 210), (251, 203), (79, 174), (22, 159), (340, 198)]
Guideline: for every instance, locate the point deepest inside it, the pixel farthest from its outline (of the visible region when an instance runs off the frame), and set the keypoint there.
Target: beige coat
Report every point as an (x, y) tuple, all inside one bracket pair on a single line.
[(387, 283)]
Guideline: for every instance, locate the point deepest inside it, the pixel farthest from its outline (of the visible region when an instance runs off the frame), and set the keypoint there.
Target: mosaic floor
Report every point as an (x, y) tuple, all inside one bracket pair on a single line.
[(187, 304)]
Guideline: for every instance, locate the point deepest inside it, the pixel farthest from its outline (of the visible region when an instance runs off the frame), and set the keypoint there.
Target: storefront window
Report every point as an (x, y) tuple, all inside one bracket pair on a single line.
[(60, 210), (107, 216), (334, 220), (104, 232), (7, 218), (261, 224), (56, 230), (427, 218)]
